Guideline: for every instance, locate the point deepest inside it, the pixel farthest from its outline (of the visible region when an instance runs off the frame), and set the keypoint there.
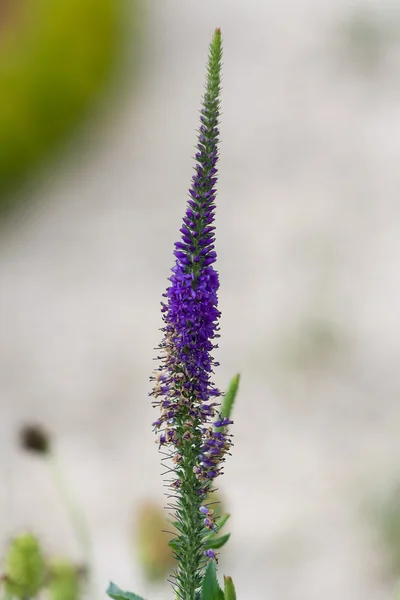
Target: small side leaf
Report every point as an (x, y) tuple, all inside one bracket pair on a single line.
[(174, 544), (210, 589), (216, 542), (117, 594), (220, 521), (229, 588), (229, 398)]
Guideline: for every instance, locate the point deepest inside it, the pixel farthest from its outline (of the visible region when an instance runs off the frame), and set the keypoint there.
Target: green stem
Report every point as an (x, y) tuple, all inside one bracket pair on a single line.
[(189, 565), (76, 517)]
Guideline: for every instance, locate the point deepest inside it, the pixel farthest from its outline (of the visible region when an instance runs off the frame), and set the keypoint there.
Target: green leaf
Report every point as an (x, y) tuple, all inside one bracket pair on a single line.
[(210, 589), (229, 398), (220, 521), (117, 594), (216, 541), (174, 544), (229, 588)]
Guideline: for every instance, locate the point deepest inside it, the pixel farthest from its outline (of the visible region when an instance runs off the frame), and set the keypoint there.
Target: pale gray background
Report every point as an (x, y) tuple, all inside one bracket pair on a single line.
[(308, 228)]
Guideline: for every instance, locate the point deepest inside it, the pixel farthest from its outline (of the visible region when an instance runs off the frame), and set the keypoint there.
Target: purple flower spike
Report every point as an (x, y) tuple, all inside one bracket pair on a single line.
[(183, 389)]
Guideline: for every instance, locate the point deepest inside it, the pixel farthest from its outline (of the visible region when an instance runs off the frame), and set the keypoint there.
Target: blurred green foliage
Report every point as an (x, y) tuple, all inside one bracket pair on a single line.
[(365, 36), (154, 554), (369, 35), (27, 572), (24, 567), (64, 582), (386, 518), (314, 345), (55, 59)]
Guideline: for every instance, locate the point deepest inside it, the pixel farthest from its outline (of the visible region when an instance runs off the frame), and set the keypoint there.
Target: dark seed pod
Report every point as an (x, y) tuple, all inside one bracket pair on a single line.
[(34, 439)]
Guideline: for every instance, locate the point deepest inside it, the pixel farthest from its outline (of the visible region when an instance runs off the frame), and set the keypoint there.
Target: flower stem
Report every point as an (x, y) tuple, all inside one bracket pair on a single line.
[(76, 517)]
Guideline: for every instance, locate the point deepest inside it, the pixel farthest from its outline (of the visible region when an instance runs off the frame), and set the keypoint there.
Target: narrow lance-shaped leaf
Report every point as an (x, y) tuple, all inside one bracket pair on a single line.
[(229, 398), (222, 520), (211, 589), (217, 541), (229, 588)]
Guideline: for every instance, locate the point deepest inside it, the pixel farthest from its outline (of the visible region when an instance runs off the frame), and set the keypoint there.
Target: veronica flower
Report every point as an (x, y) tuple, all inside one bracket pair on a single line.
[(192, 425), (192, 432)]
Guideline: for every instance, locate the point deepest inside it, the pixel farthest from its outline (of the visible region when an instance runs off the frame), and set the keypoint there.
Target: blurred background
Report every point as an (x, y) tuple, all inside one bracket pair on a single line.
[(98, 109)]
